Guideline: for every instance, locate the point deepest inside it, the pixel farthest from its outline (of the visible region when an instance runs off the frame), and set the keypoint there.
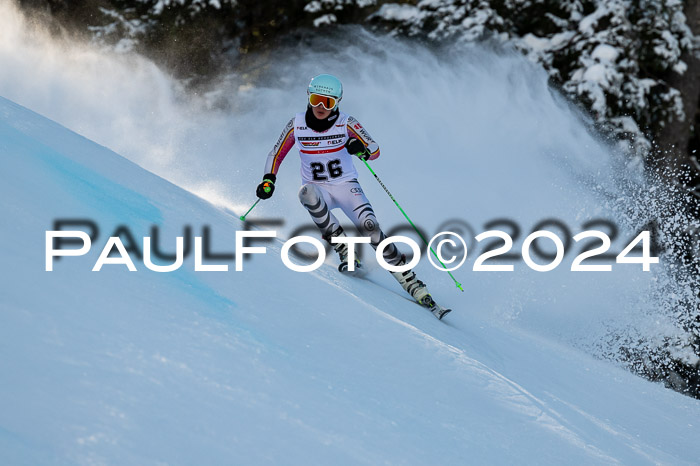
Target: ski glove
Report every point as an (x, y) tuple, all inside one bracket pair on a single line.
[(267, 187), (355, 147)]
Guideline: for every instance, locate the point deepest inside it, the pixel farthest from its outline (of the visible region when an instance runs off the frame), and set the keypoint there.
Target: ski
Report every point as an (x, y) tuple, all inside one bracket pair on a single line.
[(427, 301), (437, 310)]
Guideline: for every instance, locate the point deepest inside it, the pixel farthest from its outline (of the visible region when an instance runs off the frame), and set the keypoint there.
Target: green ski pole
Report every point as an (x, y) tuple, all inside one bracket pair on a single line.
[(459, 285), (242, 217)]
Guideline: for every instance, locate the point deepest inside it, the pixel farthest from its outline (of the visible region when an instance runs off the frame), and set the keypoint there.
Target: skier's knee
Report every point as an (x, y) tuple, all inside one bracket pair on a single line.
[(370, 228), (309, 195)]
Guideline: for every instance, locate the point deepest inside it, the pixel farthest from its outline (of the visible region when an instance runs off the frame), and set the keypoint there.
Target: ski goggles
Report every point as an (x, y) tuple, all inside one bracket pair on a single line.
[(327, 101)]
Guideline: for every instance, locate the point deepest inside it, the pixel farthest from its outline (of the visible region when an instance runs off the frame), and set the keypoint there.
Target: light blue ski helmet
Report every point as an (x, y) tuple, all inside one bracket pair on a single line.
[(326, 84)]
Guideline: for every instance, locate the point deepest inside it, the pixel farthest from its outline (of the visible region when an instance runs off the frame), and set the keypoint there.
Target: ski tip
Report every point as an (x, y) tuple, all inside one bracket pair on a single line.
[(447, 311)]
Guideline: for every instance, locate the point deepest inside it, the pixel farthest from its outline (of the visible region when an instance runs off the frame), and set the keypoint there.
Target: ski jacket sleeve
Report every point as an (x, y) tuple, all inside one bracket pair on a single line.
[(281, 149), (355, 130)]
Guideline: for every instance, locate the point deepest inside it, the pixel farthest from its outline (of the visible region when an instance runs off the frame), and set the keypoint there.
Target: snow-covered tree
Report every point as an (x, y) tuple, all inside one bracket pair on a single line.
[(325, 12), (611, 56)]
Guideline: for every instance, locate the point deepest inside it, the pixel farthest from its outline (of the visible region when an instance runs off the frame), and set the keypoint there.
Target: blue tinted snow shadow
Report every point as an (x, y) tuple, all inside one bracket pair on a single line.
[(84, 184)]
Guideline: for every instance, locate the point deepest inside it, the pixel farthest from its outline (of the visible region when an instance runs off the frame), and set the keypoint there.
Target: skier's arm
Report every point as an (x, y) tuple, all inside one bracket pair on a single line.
[(355, 130), (281, 149), (274, 160)]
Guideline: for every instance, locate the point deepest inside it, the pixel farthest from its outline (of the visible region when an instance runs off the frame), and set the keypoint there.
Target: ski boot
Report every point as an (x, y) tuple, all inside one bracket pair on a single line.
[(342, 250), (418, 290)]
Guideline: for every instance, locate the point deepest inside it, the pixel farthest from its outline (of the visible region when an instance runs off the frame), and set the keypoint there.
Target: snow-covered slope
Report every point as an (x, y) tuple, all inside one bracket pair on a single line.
[(269, 366)]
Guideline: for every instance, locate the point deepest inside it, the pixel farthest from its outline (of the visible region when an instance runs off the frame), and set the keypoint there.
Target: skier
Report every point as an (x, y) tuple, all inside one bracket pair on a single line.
[(326, 138)]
